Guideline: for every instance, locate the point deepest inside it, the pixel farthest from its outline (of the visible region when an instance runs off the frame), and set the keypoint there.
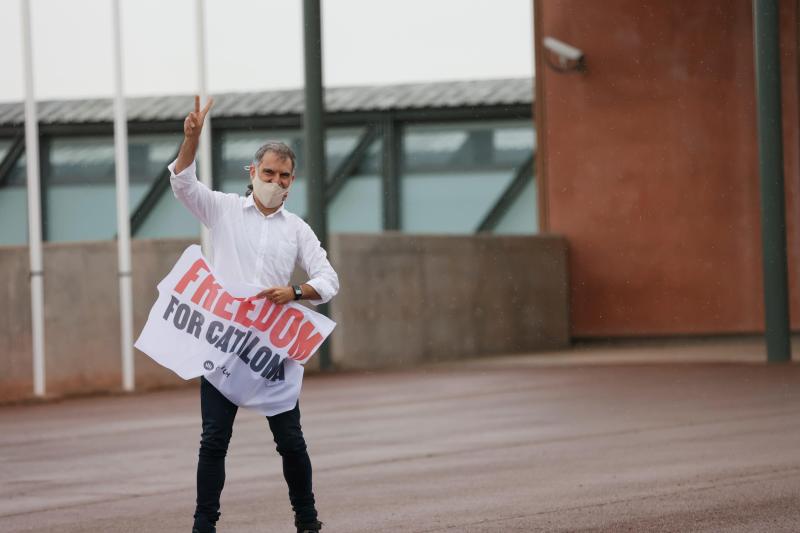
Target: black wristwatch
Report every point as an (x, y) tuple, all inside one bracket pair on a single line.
[(298, 292)]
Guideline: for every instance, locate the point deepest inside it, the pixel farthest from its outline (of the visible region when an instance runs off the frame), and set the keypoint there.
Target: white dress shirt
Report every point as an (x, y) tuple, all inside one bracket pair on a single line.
[(252, 247)]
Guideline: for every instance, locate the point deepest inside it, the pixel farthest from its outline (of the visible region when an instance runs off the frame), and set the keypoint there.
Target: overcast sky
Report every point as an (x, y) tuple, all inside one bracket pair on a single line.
[(257, 44)]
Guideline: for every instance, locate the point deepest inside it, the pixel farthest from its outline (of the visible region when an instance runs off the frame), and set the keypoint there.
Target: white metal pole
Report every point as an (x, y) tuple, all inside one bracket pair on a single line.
[(34, 206), (205, 135), (123, 211)]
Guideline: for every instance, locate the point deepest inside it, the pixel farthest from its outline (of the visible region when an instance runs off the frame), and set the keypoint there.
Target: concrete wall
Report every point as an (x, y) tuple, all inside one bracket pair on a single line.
[(648, 163), (408, 299), (82, 339), (16, 378), (404, 299)]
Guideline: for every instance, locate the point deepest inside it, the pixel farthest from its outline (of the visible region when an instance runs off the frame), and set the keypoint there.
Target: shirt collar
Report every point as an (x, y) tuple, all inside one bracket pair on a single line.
[(249, 202)]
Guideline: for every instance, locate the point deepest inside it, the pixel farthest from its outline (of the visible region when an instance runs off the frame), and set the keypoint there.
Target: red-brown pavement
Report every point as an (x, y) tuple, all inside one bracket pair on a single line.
[(598, 439)]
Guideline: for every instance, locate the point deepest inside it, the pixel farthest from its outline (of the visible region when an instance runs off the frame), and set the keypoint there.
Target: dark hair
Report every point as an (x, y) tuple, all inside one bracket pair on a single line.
[(278, 148)]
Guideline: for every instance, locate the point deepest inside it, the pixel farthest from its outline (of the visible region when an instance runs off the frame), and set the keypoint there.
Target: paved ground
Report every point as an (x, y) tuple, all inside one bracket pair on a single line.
[(513, 444)]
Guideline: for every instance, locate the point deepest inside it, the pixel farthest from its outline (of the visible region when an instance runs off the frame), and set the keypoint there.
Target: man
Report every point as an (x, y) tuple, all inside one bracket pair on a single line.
[(256, 240)]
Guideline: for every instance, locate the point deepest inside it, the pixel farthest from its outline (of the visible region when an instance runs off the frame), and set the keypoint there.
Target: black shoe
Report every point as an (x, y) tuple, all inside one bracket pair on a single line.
[(201, 525), (308, 527)]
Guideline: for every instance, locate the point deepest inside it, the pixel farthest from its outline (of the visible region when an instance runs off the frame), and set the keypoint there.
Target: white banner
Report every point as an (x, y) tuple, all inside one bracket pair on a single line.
[(250, 349)]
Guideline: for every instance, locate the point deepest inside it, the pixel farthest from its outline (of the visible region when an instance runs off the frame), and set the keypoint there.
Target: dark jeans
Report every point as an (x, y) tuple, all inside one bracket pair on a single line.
[(218, 414)]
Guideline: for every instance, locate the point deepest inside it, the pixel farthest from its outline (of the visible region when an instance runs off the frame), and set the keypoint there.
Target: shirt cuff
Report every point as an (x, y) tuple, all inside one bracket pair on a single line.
[(188, 172), (323, 289)]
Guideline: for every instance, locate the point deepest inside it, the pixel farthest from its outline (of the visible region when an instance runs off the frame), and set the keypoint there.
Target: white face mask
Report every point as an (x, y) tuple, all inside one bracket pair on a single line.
[(269, 194)]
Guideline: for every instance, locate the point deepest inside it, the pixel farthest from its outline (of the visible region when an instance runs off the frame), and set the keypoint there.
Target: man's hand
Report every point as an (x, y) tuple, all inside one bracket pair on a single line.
[(193, 124), (277, 295), (192, 127)]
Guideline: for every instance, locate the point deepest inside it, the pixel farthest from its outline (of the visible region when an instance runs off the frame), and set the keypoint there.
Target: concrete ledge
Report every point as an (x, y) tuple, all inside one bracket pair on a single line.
[(407, 299), (82, 329), (16, 380)]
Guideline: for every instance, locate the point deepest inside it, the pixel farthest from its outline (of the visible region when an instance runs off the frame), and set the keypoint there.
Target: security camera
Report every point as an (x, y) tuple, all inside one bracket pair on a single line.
[(569, 57)]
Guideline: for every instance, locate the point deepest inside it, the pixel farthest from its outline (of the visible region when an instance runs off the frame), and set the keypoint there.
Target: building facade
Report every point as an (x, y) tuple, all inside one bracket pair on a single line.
[(451, 158), (648, 163)]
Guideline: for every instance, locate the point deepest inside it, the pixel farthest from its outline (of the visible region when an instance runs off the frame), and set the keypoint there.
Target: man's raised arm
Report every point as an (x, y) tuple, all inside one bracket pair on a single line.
[(199, 199)]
